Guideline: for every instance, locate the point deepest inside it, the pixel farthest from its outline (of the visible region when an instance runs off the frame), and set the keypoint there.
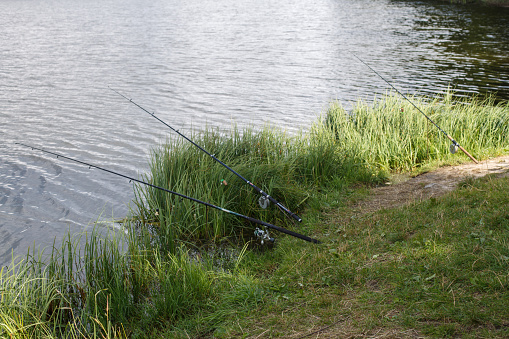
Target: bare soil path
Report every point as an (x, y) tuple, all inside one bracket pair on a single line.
[(404, 190)]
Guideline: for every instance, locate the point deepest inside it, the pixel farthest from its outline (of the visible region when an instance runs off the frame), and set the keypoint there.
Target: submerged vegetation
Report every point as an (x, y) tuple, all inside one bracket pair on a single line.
[(179, 270)]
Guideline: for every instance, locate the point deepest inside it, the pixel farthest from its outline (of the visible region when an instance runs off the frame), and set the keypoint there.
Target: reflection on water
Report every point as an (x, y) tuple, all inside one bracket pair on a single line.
[(474, 45), (199, 63)]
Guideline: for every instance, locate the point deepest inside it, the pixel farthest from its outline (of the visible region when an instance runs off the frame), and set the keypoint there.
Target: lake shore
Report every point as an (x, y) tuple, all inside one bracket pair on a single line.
[(413, 237)]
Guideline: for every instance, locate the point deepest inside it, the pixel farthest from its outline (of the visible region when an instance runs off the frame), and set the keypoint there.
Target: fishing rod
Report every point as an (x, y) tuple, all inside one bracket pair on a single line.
[(455, 145), (264, 199), (264, 234)]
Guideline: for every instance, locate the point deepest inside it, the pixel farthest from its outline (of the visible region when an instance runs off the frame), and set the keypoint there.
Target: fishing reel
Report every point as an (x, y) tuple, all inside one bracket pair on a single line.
[(263, 201), (263, 235), (453, 148)]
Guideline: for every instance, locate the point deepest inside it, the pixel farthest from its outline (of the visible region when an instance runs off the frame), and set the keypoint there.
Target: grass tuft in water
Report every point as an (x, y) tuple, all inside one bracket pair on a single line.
[(285, 167)]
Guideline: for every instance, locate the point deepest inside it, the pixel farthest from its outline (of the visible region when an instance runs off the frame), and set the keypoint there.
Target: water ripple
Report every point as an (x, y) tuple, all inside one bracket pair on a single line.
[(200, 63)]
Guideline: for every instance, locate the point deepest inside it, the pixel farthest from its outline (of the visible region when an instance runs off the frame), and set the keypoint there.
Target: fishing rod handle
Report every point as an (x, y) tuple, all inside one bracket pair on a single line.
[(468, 154), (290, 213), (280, 205), (462, 149), (295, 216)]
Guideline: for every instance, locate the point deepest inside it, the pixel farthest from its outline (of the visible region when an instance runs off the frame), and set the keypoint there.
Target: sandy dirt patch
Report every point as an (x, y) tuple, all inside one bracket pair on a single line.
[(404, 190)]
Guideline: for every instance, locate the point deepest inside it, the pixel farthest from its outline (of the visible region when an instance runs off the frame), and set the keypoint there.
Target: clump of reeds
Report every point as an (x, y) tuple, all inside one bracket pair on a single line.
[(102, 286), (392, 135), (48, 295), (284, 166), (344, 147)]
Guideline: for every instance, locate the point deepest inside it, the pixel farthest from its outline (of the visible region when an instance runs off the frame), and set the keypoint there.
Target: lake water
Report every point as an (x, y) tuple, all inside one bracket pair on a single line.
[(200, 63)]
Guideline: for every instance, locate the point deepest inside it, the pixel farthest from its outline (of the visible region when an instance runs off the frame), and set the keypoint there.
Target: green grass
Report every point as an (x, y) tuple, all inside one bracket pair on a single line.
[(436, 268), (287, 167), (341, 148), (393, 135), (115, 288)]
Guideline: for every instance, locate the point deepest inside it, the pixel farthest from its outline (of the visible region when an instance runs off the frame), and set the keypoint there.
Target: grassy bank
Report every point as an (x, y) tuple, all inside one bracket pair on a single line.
[(342, 148), (438, 268)]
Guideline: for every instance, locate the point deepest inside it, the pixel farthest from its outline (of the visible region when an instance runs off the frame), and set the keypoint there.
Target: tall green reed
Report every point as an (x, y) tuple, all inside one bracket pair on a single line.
[(343, 147), (282, 165), (99, 286), (393, 135), (181, 167)]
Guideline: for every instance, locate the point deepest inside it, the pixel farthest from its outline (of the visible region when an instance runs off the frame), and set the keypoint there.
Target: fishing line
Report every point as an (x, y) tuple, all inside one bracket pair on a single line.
[(256, 221), (454, 145), (264, 196)]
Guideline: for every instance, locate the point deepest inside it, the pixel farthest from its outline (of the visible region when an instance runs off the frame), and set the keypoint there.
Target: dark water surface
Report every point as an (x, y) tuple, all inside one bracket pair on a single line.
[(198, 63)]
